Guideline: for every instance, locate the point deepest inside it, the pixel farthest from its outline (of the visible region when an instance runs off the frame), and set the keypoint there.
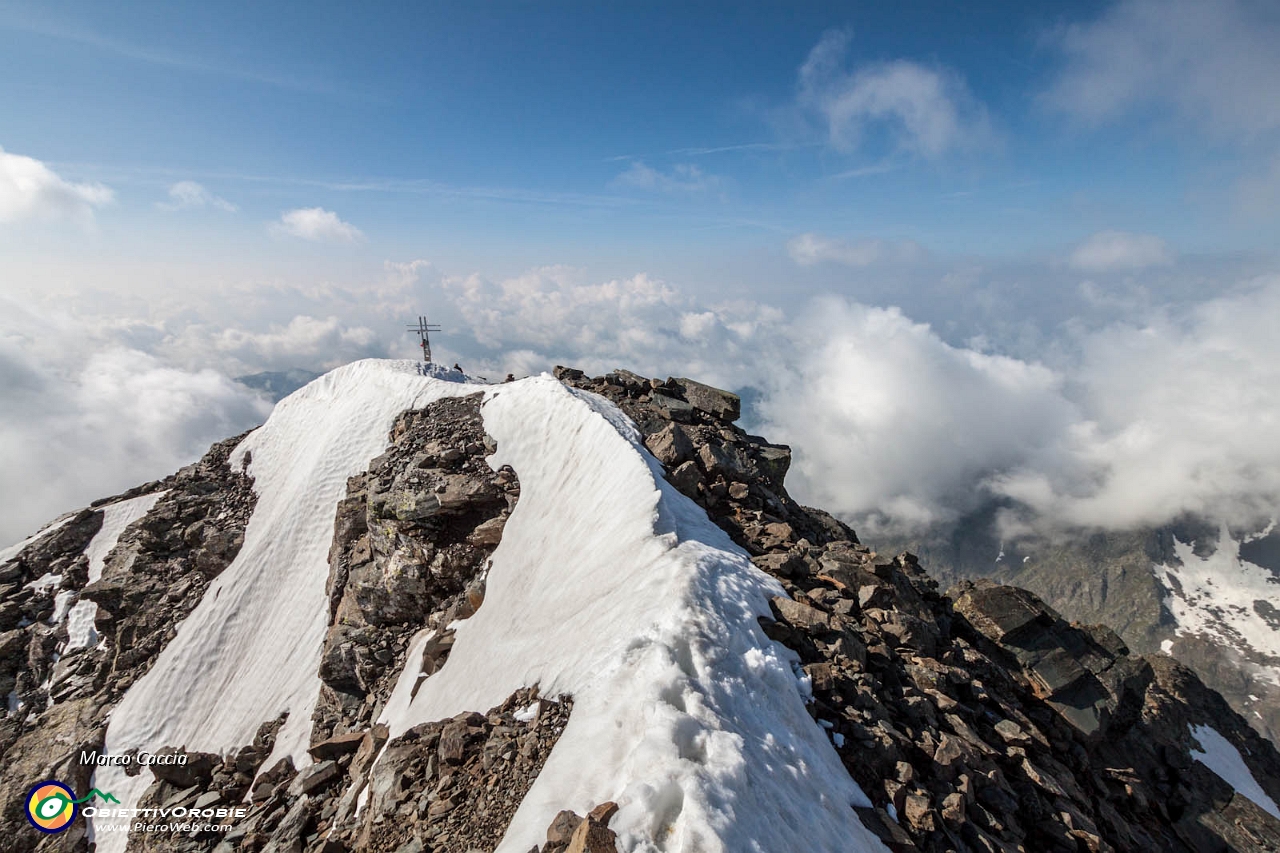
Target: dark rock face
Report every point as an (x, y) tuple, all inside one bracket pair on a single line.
[(154, 577), (411, 547), (449, 786), (1108, 578)]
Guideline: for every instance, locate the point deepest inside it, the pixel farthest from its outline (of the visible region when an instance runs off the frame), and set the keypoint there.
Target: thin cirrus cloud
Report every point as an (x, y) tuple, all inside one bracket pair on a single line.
[(31, 190), (317, 225), (683, 177), (186, 195), (926, 111), (1109, 251), (811, 249)]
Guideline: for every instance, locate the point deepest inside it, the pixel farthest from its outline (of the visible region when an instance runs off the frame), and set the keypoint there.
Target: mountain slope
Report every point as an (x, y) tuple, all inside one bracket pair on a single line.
[(1192, 590), (416, 614)]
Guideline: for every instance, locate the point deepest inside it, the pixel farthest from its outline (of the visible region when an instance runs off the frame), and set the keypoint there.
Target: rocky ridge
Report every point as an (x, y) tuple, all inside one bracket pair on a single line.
[(1117, 578), (978, 719)]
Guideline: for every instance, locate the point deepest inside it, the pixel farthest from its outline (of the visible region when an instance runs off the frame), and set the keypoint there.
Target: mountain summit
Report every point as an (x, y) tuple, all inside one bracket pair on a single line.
[(414, 613)]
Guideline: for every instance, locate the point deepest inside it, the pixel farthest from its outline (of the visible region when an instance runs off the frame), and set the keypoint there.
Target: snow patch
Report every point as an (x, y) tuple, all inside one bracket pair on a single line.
[(115, 518), (46, 582), (1225, 599), (61, 603), (1219, 755)]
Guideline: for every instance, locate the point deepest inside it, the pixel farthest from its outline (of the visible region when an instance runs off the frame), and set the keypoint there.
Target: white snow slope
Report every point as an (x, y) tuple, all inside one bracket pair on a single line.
[(115, 518), (607, 585), (1224, 759), (1215, 597)]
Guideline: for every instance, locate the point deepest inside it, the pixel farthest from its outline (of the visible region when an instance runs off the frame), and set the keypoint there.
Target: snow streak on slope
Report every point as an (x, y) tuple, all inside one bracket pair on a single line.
[(115, 518), (611, 586), (251, 648), (1224, 759), (1226, 599)]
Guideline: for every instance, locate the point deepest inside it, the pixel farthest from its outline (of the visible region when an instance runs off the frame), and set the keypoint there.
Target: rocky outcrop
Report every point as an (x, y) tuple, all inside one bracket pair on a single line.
[(155, 576), (449, 786), (1110, 578), (411, 549)]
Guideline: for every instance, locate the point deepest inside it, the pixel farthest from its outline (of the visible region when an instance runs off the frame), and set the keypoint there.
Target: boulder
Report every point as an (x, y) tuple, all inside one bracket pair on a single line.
[(715, 402)]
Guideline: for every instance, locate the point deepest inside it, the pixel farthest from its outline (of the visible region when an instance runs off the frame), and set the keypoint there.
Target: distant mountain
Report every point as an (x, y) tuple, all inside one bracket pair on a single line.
[(415, 614), (1205, 594), (278, 384)]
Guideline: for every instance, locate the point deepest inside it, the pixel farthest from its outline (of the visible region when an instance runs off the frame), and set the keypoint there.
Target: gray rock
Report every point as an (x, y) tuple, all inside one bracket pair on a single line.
[(715, 402)]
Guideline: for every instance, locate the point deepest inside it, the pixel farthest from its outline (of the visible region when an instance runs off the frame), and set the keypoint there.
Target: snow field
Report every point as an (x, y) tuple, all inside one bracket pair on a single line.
[(1214, 597), (611, 586), (251, 649)]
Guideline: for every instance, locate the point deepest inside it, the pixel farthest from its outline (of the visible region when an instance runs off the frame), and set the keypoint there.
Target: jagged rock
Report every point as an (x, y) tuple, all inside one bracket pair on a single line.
[(197, 770), (411, 542), (719, 404), (592, 837), (317, 776), (337, 746), (562, 827), (671, 446)]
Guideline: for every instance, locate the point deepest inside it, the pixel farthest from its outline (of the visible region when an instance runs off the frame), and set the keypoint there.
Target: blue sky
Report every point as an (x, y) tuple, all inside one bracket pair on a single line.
[(595, 134), (1034, 203)]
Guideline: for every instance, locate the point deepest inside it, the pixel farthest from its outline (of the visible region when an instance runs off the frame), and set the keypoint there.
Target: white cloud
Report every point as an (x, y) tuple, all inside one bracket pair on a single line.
[(31, 190), (189, 194), (1112, 422), (810, 249), (303, 341), (683, 177), (927, 111), (1214, 61), (897, 429), (318, 225), (87, 416), (1118, 250), (1180, 416), (887, 420)]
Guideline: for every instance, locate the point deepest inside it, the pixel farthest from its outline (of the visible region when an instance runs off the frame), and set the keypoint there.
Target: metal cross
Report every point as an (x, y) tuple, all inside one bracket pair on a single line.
[(424, 330)]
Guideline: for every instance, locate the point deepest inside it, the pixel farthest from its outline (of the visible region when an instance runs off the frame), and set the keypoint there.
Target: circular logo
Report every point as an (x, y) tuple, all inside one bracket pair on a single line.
[(51, 806)]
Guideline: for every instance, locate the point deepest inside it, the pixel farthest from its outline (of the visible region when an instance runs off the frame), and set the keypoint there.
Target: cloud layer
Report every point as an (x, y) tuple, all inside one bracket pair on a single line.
[(86, 416), (1213, 60), (1118, 250), (810, 249), (1133, 419)]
